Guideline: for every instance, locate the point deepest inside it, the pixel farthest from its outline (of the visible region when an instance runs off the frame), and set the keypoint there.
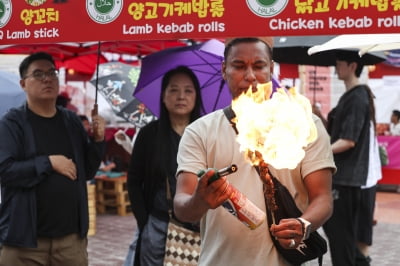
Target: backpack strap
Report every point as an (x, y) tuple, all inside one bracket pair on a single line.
[(230, 115)]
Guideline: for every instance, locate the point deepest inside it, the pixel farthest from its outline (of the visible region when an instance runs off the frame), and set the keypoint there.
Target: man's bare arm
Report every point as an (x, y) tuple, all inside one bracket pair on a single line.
[(342, 145), (319, 189), (319, 210)]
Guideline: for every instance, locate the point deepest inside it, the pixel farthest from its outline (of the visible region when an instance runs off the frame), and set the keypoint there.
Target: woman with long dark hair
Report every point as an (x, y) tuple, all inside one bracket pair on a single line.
[(153, 162)]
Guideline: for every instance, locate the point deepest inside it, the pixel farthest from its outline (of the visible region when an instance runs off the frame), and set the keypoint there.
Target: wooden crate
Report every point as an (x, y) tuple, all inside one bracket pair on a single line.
[(112, 195), (91, 189)]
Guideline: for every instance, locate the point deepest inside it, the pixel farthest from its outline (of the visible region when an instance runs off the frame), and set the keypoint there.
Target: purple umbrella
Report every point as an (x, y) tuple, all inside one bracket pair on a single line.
[(204, 59)]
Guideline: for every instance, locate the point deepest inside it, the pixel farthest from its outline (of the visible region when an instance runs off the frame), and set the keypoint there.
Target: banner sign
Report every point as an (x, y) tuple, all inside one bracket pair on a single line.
[(317, 87), (49, 21)]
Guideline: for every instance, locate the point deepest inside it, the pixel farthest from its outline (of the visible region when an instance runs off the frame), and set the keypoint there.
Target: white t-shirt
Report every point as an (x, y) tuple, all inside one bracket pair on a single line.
[(374, 165), (210, 142), (395, 129)]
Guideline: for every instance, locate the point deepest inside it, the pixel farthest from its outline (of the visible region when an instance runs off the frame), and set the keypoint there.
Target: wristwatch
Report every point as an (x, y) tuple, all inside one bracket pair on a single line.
[(306, 227)]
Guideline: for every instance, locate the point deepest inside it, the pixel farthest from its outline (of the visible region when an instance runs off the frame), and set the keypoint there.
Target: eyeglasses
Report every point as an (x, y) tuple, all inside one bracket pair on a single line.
[(41, 75)]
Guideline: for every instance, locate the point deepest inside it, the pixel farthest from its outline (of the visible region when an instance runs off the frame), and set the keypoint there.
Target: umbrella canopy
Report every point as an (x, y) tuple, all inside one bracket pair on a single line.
[(363, 42), (116, 82), (11, 93), (204, 59), (294, 50), (85, 64)]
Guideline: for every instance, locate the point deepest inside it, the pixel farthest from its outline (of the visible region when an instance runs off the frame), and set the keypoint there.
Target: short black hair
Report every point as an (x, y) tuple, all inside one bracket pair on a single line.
[(350, 57), (24, 65), (396, 113), (235, 41)]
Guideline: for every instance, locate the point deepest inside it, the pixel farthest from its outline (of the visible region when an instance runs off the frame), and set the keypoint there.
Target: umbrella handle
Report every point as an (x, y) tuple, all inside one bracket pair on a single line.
[(95, 110), (97, 128)]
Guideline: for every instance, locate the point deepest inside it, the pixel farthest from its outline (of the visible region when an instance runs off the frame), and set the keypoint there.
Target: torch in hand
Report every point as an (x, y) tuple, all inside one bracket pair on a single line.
[(238, 204)]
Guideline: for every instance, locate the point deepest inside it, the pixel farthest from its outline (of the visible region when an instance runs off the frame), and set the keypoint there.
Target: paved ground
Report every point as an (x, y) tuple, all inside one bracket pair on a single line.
[(109, 245)]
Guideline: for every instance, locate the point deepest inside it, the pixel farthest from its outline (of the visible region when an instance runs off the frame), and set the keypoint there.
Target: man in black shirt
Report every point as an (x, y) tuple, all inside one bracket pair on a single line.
[(349, 127), (46, 156)]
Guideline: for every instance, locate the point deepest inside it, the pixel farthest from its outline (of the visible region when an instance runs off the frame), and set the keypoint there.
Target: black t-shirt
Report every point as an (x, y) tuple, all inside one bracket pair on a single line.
[(57, 196), (351, 120)]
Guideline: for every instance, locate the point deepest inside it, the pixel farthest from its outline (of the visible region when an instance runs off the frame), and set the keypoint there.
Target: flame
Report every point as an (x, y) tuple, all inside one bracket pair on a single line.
[(274, 129)]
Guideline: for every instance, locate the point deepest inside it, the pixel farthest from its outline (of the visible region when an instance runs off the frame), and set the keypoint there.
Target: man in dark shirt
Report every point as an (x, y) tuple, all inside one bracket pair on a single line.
[(349, 127), (46, 156)]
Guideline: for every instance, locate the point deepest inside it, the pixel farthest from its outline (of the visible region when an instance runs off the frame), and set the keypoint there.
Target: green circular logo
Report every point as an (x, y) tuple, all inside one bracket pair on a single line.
[(104, 7), (266, 8), (102, 11)]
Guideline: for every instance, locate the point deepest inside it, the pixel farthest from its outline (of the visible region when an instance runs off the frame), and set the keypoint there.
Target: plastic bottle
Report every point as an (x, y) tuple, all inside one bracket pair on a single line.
[(238, 204)]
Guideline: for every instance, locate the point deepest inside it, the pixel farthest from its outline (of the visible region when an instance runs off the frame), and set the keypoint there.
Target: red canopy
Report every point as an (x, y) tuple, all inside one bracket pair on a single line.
[(80, 59), (66, 51)]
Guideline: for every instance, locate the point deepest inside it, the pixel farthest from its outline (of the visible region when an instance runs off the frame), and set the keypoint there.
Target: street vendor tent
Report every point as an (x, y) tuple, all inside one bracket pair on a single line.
[(41, 22), (140, 28), (36, 23)]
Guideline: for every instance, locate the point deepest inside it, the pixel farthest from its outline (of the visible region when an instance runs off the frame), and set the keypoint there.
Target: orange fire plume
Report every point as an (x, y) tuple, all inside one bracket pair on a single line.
[(273, 131)]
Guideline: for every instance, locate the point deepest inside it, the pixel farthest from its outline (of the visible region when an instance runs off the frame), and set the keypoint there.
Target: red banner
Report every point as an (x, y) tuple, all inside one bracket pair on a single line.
[(49, 21)]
